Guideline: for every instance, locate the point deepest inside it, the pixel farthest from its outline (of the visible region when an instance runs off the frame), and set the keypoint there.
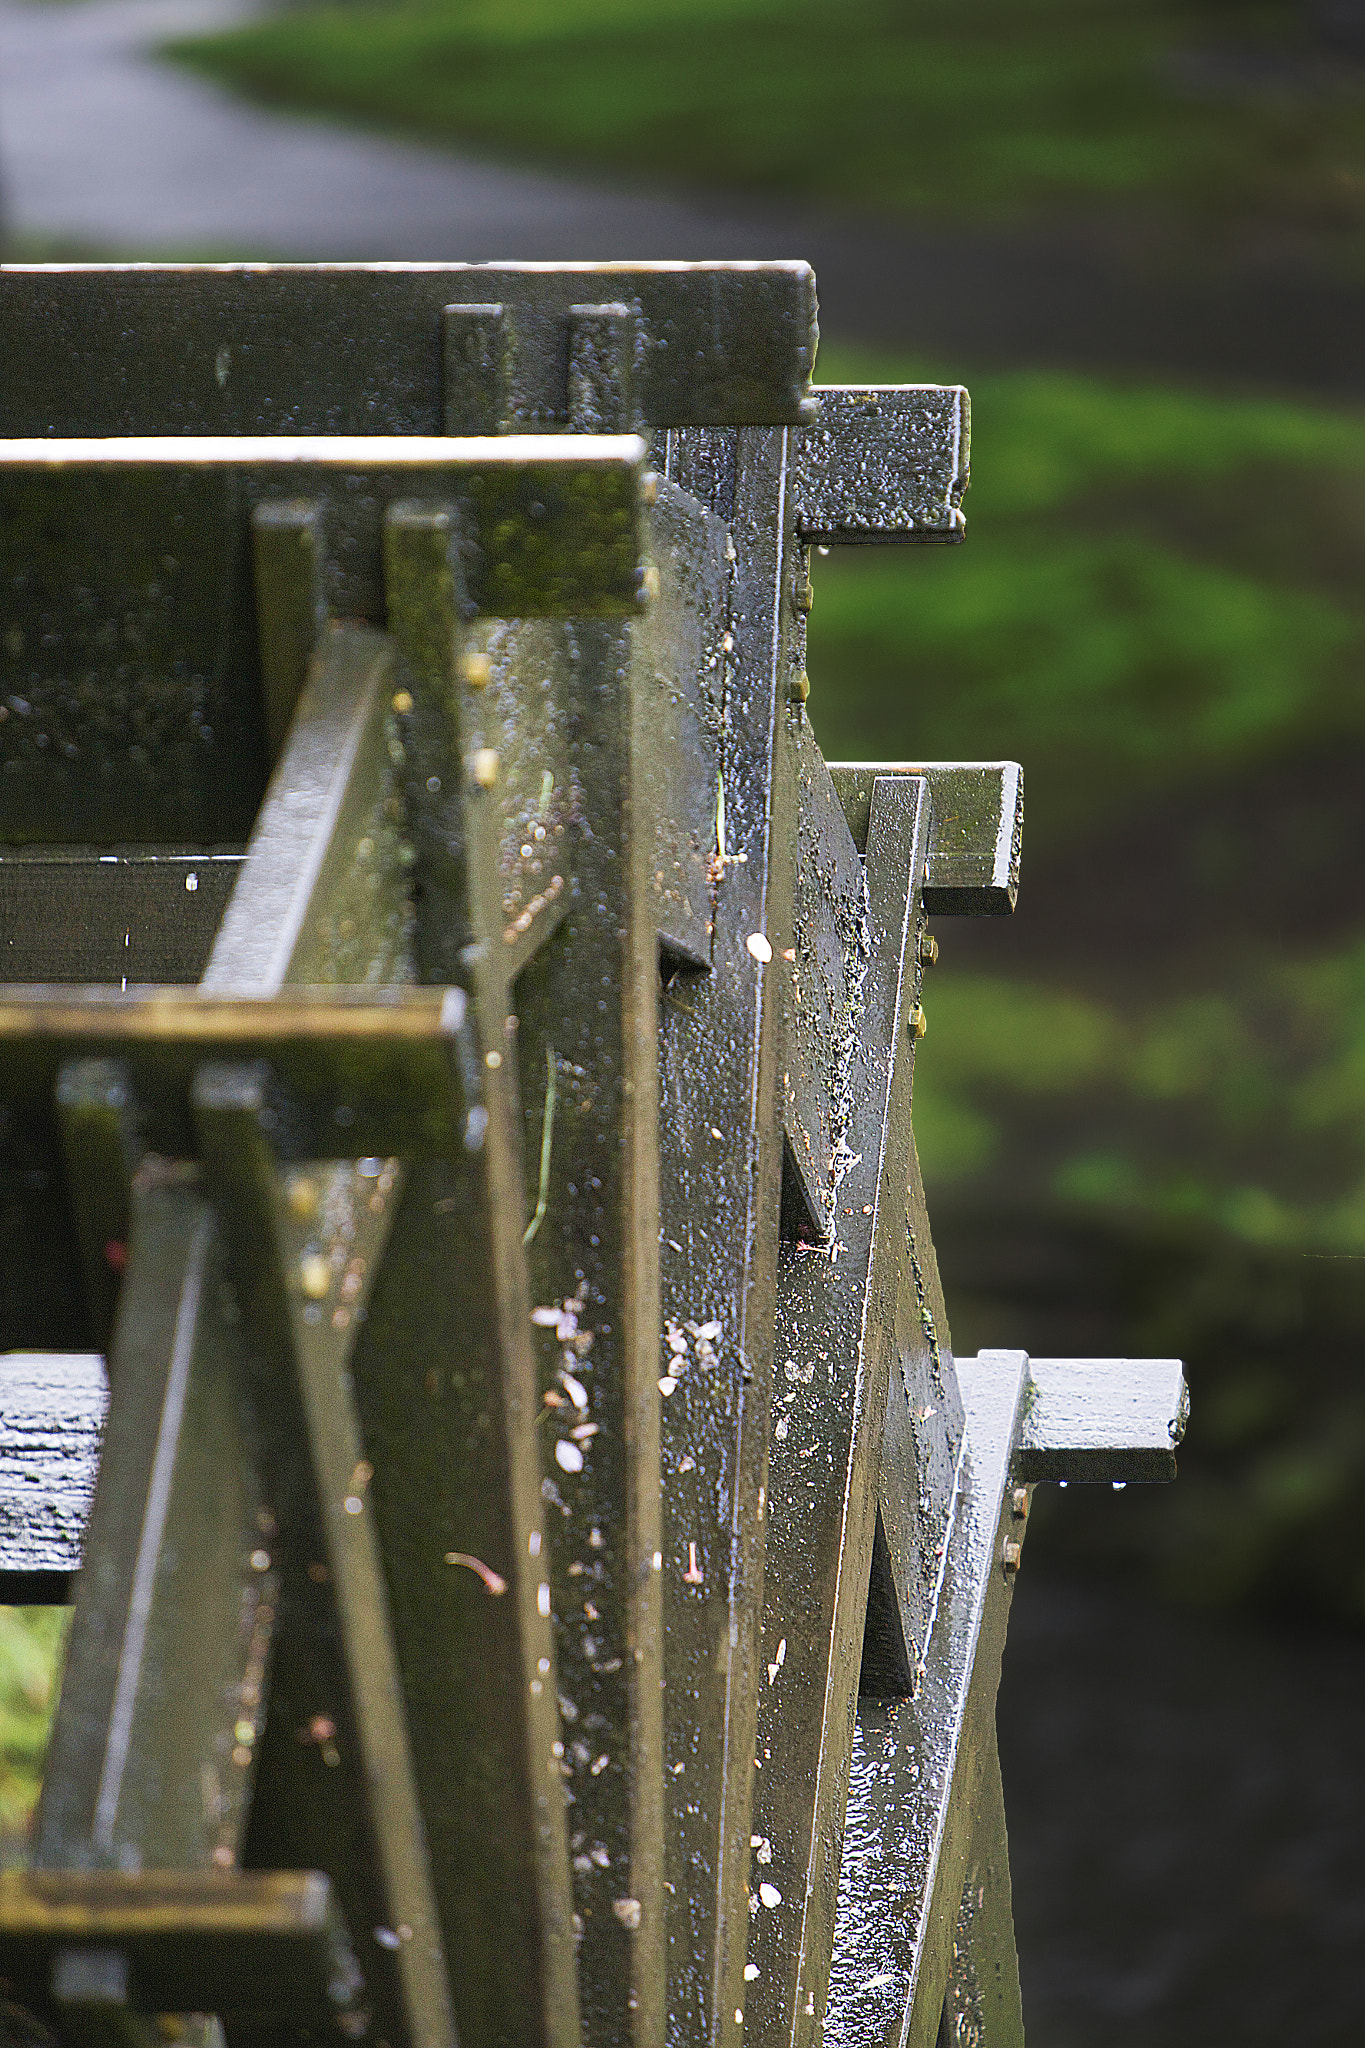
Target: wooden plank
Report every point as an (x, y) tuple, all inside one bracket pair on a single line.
[(357, 348), (127, 916), (322, 897), (721, 1037), (130, 669), (1102, 1418), (300, 1342), (447, 1390), (921, 1456), (920, 1766), (382, 1074), (978, 829), (175, 1556), (291, 603), (257, 1945), (843, 1305), (680, 662), (883, 462), (52, 1408), (983, 2004), (830, 938), (585, 1048), (580, 1018)]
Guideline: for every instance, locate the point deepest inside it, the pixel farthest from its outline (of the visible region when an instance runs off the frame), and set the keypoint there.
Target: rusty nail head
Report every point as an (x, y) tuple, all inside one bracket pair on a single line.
[(1013, 1552)]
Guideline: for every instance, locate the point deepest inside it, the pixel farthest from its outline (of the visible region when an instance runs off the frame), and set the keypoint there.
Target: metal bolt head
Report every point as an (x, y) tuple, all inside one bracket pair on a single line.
[(649, 488), (476, 668), (483, 766), (1010, 1558), (1019, 1503), (803, 596), (402, 701), (916, 1022), (927, 949), (800, 687)]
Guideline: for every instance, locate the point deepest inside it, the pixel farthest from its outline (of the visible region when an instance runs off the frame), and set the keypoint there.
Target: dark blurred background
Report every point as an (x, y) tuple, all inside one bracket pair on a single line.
[(1137, 231)]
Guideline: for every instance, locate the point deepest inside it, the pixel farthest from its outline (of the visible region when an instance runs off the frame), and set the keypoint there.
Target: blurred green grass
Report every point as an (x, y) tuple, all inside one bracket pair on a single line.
[(1158, 584), (32, 1643), (958, 108)]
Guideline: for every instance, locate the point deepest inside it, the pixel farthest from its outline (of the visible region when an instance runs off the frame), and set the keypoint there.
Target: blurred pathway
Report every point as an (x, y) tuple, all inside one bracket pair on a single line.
[(105, 146)]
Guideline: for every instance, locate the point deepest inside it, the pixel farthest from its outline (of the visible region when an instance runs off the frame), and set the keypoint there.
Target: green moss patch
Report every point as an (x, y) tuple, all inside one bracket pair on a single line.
[(956, 107)]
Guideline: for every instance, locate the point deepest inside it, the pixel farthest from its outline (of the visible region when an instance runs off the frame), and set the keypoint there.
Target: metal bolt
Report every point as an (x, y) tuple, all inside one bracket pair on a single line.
[(928, 949), (402, 700), (476, 668), (649, 488), (916, 1023), (800, 687), (803, 597), (1019, 1503), (483, 766), (1013, 1552)]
